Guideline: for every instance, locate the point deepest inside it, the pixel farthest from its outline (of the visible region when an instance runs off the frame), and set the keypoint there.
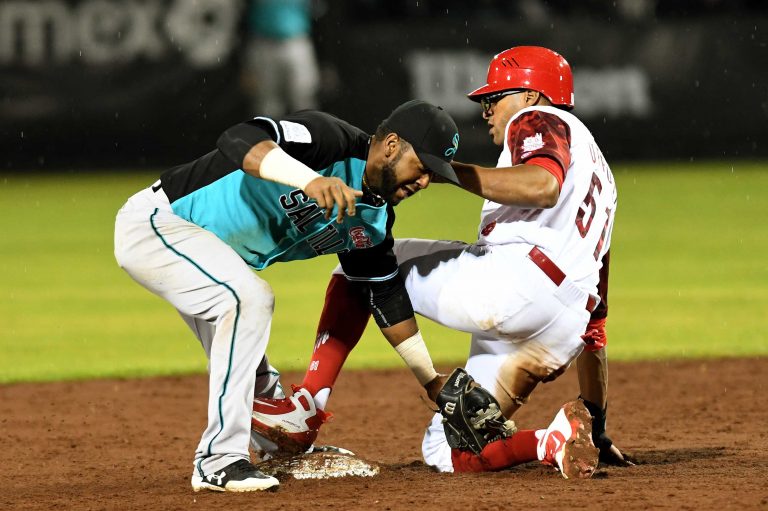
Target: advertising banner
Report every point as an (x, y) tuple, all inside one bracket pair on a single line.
[(127, 83), (119, 83), (663, 90)]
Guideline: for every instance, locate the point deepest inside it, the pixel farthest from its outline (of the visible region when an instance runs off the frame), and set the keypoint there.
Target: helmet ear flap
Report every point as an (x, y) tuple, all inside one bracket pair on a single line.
[(530, 67)]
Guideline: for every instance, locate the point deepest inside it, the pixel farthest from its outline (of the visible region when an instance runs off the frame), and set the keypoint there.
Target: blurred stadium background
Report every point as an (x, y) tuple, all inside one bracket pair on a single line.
[(98, 96), (146, 83)]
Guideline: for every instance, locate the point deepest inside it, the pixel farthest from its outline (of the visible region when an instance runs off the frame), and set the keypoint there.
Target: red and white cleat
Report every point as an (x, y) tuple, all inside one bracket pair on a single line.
[(567, 443), (289, 425)]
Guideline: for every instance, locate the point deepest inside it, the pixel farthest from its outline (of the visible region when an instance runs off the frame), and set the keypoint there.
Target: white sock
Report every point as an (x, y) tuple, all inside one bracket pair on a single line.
[(321, 398), (540, 447)]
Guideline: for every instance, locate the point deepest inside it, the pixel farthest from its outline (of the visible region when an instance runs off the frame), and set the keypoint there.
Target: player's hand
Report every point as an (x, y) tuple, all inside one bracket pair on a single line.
[(330, 192), (433, 386), (611, 455)]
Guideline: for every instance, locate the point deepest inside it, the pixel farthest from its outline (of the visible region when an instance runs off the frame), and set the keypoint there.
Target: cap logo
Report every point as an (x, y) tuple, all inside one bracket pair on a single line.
[(452, 150)]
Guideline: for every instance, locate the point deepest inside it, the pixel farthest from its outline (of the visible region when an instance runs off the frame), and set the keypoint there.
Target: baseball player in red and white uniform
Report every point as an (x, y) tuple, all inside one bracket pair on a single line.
[(532, 290)]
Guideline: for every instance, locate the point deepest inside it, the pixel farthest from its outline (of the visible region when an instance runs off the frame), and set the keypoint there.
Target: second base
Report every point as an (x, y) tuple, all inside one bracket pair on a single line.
[(319, 465)]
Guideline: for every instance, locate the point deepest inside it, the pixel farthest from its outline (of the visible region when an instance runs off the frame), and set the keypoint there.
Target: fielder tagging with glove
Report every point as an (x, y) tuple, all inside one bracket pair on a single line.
[(471, 415), (482, 439)]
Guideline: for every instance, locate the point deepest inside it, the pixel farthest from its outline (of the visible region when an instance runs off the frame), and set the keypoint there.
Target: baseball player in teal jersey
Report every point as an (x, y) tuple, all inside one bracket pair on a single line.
[(278, 190)]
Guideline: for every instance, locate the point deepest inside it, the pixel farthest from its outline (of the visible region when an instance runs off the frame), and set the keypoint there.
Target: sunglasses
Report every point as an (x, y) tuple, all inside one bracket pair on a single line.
[(486, 102)]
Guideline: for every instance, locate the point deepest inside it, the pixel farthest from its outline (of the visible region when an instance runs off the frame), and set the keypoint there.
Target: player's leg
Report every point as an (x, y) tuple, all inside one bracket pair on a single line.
[(566, 444), (495, 291), (513, 309), (267, 376), (437, 274), (488, 363), (428, 267), (268, 381), (512, 370), (204, 279), (291, 425), (267, 388), (342, 323)]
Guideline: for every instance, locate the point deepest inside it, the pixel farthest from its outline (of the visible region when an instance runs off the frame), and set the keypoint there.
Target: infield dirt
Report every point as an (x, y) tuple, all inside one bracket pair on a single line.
[(698, 429)]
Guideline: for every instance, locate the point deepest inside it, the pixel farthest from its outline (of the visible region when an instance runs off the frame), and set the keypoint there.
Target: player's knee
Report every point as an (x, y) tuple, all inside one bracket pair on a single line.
[(517, 378), (256, 294), (126, 258), (553, 374), (514, 390)]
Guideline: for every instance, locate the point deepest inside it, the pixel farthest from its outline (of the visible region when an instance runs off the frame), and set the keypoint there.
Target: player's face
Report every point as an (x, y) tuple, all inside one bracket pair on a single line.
[(402, 176), (498, 109)]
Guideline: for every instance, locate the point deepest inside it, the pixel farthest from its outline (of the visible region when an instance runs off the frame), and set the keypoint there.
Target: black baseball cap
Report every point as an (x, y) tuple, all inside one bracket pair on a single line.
[(432, 133)]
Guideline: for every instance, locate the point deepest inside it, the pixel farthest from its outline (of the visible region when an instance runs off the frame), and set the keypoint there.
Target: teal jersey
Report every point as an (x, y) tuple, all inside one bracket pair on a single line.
[(280, 19), (266, 222)]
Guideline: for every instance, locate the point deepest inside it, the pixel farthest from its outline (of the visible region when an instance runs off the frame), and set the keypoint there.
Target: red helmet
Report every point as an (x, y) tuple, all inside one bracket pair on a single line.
[(530, 67)]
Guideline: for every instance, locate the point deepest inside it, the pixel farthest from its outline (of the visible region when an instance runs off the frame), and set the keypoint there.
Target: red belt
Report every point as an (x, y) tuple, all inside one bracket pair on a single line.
[(554, 273)]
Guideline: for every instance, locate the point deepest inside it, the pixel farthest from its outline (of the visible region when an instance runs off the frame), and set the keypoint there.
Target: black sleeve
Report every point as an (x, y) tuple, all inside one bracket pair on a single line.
[(236, 141), (389, 302), (316, 139), (319, 139), (377, 268)]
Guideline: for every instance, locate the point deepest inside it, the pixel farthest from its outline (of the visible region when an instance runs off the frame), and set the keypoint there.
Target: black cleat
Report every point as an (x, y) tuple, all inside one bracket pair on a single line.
[(238, 476)]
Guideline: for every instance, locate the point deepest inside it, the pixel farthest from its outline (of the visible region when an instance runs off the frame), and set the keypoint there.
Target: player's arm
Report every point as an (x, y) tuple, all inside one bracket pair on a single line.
[(592, 364), (527, 185), (592, 367), (539, 146), (251, 146), (376, 269), (391, 308)]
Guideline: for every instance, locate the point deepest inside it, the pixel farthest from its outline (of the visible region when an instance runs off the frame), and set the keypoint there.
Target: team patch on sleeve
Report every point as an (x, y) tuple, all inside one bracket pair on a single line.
[(536, 134), (295, 132)]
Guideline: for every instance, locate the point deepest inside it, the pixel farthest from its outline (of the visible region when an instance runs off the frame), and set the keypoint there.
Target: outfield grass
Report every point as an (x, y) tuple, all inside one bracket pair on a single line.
[(689, 276)]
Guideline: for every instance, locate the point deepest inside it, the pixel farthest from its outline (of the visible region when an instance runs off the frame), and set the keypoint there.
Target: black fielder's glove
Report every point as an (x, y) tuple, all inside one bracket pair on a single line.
[(471, 415), (609, 453)]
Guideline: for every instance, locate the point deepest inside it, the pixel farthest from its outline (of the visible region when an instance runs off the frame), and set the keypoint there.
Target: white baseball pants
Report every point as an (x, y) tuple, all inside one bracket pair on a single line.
[(522, 323), (222, 300)]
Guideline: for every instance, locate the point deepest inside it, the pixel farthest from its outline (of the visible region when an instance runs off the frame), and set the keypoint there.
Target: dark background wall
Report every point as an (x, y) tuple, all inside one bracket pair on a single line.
[(123, 84)]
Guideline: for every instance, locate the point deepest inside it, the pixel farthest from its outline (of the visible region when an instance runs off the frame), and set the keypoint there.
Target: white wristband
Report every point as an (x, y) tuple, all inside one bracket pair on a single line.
[(414, 352), (280, 167)]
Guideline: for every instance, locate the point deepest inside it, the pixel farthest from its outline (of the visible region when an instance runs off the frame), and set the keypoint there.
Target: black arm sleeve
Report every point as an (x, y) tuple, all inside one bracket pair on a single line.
[(236, 141), (389, 302)]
